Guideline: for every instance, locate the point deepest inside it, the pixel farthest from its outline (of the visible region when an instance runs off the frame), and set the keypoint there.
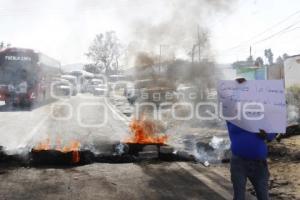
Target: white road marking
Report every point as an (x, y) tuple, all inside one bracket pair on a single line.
[(34, 131), (207, 181), (116, 112)]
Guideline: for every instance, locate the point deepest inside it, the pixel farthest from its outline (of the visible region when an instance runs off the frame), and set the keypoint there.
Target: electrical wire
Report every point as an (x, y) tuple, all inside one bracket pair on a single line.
[(265, 31), (282, 31)]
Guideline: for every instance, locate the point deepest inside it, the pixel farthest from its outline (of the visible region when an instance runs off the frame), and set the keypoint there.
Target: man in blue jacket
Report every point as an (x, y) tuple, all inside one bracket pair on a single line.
[(249, 153)]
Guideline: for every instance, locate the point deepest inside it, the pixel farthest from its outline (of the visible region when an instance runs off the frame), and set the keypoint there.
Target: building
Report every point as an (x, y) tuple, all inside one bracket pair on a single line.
[(250, 71), (292, 71)]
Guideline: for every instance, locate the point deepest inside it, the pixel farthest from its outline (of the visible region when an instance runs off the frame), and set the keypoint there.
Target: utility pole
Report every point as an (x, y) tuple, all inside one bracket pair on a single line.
[(159, 66), (193, 52), (199, 43)]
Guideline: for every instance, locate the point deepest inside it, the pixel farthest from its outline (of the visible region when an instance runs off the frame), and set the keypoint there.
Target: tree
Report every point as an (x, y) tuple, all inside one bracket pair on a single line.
[(285, 56), (115, 63), (279, 60), (105, 51), (269, 55), (91, 68), (4, 45), (259, 62), (250, 59)]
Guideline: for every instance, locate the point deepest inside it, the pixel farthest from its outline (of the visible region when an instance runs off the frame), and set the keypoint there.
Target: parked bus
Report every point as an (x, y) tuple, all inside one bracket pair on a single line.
[(25, 76)]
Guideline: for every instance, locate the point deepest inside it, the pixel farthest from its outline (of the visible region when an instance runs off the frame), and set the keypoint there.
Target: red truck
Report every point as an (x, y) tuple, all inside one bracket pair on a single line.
[(25, 76)]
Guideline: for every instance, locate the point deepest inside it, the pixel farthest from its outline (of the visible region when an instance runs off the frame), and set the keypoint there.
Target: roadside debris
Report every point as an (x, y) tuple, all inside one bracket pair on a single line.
[(213, 150), (291, 130)]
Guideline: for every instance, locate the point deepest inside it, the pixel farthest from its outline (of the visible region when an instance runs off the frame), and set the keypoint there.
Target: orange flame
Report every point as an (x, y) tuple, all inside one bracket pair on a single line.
[(72, 147), (43, 145), (145, 132)]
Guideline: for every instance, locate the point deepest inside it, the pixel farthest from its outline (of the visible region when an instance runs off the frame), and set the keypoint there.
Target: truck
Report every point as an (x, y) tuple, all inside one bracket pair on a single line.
[(25, 76)]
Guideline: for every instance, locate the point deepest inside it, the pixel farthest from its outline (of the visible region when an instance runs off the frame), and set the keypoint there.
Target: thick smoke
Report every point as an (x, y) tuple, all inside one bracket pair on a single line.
[(186, 24), (180, 44)]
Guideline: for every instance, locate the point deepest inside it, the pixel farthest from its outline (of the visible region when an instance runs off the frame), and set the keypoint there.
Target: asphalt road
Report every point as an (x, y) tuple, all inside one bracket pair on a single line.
[(96, 125), (85, 118)]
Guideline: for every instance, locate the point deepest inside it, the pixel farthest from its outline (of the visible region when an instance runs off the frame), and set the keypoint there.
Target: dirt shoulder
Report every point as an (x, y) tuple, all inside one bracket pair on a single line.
[(284, 165)]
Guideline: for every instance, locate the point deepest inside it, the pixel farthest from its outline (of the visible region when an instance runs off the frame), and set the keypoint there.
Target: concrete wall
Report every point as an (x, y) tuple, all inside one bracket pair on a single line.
[(292, 71), (275, 72)]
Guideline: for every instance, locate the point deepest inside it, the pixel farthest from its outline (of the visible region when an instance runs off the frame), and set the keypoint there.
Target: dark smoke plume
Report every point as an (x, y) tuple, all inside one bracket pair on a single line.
[(187, 23)]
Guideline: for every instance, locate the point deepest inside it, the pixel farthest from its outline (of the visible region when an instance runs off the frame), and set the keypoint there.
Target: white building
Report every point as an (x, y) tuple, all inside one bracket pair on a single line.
[(292, 71)]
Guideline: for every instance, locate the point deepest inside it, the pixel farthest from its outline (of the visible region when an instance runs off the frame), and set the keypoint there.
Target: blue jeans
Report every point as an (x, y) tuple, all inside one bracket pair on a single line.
[(255, 170)]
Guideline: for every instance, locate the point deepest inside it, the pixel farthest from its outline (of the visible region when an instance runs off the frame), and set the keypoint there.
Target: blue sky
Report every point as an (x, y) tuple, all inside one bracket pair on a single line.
[(64, 28)]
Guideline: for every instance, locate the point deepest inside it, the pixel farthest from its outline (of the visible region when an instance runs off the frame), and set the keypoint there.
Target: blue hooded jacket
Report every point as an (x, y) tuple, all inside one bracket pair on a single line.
[(246, 144)]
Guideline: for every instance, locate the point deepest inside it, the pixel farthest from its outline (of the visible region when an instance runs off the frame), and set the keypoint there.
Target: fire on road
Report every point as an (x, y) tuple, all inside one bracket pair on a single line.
[(171, 180)]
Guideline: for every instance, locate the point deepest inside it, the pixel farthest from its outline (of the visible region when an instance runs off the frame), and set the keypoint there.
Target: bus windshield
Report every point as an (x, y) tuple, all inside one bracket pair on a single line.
[(16, 68)]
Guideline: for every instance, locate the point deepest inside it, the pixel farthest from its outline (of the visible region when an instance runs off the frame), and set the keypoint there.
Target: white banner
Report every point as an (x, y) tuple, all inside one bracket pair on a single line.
[(254, 105)]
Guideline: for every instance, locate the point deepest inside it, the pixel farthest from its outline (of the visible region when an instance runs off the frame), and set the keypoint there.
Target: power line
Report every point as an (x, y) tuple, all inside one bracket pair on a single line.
[(298, 27), (282, 31), (265, 31), (285, 30), (274, 25)]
